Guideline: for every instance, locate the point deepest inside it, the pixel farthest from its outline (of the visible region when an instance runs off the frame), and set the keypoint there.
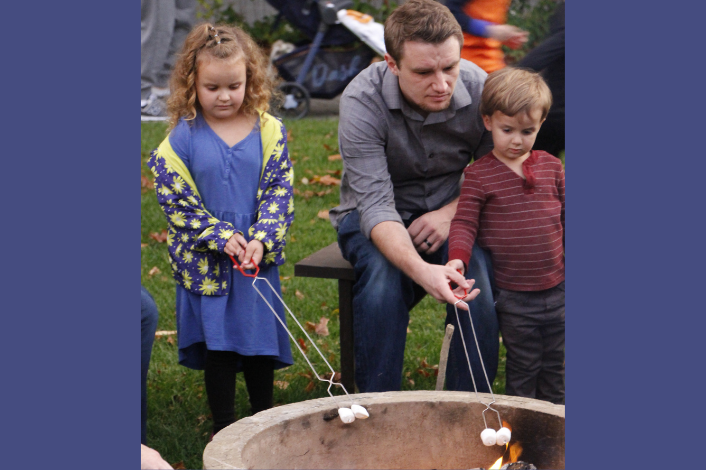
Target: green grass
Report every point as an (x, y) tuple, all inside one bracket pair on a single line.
[(178, 418)]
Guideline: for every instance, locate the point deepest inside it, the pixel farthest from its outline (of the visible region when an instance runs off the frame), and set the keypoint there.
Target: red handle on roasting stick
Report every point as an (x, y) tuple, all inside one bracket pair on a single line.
[(452, 284), (236, 265)]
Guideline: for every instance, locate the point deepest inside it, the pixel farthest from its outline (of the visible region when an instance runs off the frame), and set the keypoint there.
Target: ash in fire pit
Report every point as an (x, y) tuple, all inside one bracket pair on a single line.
[(420, 429)]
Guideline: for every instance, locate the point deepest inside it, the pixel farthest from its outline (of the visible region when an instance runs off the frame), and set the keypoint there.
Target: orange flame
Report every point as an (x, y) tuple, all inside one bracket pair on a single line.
[(498, 463)]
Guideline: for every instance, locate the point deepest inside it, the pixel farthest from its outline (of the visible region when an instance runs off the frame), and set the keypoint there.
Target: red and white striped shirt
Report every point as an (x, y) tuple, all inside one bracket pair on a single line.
[(520, 222)]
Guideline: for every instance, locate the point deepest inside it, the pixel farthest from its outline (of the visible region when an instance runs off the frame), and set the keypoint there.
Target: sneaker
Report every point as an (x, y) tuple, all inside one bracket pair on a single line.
[(154, 110)]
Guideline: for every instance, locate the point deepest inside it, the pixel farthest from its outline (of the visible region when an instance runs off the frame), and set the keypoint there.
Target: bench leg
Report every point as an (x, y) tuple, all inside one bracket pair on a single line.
[(345, 316)]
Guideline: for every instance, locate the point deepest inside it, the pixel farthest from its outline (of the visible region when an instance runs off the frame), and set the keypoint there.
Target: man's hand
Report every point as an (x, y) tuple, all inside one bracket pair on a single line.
[(150, 459), (394, 243), (436, 281), (431, 230)]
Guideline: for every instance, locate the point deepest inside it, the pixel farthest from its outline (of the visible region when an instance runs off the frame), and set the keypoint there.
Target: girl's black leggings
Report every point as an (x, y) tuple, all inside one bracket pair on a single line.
[(219, 375)]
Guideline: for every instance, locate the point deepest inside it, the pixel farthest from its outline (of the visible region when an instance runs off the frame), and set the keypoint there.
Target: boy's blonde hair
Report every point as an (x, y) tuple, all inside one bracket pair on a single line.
[(224, 42), (514, 90), (420, 20)]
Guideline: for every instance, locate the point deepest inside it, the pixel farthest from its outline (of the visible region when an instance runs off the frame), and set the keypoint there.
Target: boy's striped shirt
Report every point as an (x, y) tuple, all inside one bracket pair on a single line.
[(520, 222)]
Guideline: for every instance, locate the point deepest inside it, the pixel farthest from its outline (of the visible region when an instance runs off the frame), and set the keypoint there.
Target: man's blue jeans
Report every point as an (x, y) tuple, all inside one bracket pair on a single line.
[(149, 327), (382, 297)]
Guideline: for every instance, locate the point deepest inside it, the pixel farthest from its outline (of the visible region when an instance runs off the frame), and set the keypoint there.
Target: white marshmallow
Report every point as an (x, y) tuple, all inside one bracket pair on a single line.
[(346, 415), (360, 412), (488, 436), (503, 436)]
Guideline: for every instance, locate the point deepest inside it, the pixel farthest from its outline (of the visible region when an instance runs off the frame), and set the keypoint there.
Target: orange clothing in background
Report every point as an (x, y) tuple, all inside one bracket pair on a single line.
[(485, 52)]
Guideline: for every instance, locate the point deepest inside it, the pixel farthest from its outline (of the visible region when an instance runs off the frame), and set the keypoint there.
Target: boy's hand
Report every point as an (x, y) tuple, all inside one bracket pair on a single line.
[(457, 264), (235, 245), (252, 255)]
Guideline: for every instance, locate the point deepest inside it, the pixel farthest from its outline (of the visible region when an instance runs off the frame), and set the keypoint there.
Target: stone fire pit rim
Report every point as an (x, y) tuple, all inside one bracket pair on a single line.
[(231, 441)]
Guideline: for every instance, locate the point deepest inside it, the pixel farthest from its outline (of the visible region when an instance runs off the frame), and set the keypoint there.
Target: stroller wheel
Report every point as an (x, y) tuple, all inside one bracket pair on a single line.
[(295, 103)]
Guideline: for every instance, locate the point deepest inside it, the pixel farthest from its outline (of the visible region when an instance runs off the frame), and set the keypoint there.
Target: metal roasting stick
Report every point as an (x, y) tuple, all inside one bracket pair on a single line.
[(296, 343), (475, 389)]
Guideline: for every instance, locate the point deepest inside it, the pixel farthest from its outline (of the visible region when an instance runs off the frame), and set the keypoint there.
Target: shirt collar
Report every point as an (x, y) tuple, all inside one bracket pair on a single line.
[(393, 98)]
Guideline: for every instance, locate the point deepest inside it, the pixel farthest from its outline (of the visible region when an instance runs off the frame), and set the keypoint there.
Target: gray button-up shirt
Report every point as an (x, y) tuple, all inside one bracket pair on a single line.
[(397, 163)]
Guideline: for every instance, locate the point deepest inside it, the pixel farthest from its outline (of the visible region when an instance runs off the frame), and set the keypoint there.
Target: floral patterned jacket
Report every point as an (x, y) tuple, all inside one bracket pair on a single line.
[(196, 239)]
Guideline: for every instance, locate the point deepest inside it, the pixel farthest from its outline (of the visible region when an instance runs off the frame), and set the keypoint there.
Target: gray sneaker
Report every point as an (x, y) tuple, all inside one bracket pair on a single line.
[(154, 110)]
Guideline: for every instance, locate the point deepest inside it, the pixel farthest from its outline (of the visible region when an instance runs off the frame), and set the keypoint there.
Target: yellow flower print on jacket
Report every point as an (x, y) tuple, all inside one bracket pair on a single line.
[(198, 261)]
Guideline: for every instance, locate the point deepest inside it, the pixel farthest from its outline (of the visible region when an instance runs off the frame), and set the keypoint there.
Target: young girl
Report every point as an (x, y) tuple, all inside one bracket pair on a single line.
[(224, 180)]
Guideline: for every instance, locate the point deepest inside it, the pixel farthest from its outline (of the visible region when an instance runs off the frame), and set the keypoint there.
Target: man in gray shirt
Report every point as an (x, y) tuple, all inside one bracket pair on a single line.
[(408, 127)]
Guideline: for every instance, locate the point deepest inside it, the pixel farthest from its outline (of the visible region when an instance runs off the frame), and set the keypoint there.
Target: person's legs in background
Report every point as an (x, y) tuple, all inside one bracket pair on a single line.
[(382, 296), (157, 27), (184, 20), (149, 327), (485, 323)]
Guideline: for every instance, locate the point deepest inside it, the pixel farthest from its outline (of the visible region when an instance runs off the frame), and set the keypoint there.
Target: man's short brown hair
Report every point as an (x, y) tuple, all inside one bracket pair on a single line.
[(514, 90), (420, 20)]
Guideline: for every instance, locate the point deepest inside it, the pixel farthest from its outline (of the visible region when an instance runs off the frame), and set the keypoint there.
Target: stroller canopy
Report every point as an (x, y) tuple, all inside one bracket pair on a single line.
[(292, 11)]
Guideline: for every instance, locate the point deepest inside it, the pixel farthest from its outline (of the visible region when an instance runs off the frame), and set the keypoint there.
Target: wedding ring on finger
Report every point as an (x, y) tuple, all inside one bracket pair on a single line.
[(427, 242)]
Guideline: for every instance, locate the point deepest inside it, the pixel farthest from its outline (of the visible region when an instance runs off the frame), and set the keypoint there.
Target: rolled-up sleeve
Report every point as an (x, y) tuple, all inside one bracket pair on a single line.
[(362, 135)]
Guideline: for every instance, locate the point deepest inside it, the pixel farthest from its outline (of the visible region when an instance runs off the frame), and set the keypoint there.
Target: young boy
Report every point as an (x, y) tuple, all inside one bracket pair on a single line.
[(512, 201)]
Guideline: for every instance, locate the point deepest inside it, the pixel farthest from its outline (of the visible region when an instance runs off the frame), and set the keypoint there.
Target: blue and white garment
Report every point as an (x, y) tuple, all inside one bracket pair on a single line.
[(209, 191)]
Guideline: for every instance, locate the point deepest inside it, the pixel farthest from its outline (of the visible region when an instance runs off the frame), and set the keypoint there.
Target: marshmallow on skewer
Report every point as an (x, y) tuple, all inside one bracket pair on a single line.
[(346, 415), (360, 412), (488, 436), (503, 436)]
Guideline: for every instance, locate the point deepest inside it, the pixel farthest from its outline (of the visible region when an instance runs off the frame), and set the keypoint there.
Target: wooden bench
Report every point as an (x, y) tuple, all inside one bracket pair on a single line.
[(328, 263)]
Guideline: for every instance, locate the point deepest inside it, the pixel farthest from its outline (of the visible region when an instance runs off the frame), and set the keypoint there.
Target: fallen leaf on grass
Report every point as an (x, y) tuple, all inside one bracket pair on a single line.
[(159, 237), (143, 245), (423, 372), (308, 375), (165, 333), (302, 344), (290, 136), (281, 384), (201, 419), (408, 330), (170, 339), (324, 192), (334, 172), (333, 158), (153, 271), (323, 214), (179, 466), (299, 295), (327, 147), (321, 328), (411, 382), (326, 180), (310, 387), (146, 183), (310, 326)]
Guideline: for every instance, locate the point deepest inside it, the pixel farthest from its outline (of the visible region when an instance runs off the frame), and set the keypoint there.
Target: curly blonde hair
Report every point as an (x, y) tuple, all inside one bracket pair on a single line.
[(218, 42)]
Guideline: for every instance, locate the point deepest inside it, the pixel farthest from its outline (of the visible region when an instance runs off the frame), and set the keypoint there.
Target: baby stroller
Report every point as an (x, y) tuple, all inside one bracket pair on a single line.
[(324, 67)]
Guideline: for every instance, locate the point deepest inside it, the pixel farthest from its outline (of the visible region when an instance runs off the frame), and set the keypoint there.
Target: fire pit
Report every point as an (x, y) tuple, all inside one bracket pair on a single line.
[(420, 429)]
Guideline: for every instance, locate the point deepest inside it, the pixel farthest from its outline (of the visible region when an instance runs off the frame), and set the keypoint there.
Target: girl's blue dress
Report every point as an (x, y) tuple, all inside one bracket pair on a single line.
[(227, 179)]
